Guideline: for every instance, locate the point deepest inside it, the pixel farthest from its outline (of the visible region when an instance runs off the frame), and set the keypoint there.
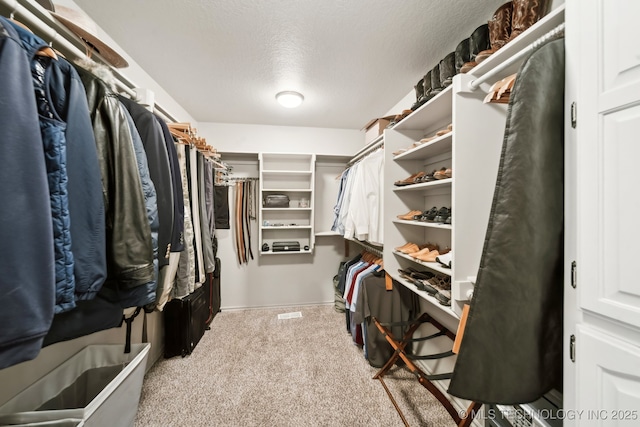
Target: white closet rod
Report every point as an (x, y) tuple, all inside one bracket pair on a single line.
[(378, 142), (370, 247), (61, 39), (475, 84)]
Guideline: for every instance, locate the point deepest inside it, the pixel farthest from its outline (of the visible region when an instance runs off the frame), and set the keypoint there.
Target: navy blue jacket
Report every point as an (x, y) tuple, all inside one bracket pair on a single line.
[(27, 282), (53, 129), (86, 205)]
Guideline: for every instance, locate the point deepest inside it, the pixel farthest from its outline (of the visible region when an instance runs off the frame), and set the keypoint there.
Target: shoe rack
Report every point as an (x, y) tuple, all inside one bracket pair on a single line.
[(472, 150), (294, 176)]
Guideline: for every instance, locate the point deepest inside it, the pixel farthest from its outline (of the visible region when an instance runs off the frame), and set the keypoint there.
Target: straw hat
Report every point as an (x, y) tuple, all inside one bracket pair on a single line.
[(84, 27), (47, 4)]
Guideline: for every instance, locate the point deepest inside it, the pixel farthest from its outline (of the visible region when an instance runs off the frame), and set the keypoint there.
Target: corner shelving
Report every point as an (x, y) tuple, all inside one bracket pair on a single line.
[(292, 175), (472, 150)]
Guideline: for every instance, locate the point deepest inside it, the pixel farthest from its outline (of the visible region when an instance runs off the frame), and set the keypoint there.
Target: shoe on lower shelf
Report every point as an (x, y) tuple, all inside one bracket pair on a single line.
[(427, 256), (444, 131), (442, 215), (445, 260), (419, 252), (441, 173), (409, 180), (411, 248), (399, 248), (438, 283), (409, 215), (444, 297)]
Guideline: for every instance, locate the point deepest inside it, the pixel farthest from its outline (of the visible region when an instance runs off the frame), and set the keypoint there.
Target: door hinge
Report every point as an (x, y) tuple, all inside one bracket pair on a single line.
[(572, 348), (574, 275), (574, 115)]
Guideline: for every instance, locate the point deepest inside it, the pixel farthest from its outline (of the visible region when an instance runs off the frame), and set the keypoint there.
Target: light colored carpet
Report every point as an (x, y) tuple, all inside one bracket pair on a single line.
[(252, 369)]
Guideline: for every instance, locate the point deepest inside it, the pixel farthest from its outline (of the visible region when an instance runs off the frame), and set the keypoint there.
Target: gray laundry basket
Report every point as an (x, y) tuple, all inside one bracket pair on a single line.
[(98, 386)]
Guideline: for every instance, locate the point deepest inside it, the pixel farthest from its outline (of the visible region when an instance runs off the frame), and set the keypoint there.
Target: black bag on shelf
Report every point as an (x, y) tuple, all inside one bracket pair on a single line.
[(286, 246), (276, 201), (185, 322)]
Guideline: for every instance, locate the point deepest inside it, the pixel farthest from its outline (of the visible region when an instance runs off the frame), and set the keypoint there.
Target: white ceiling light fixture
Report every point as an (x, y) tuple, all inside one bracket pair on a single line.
[(290, 99)]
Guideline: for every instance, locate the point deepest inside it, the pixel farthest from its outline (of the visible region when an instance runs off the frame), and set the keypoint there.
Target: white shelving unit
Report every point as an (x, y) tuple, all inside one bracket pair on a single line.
[(472, 150), (294, 176)]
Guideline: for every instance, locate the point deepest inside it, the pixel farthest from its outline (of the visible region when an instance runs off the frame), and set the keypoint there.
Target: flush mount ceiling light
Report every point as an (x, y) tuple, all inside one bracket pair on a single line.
[(290, 99)]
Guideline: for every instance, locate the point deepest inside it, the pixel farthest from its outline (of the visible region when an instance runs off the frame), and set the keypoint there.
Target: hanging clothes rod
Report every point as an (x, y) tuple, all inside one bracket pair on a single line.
[(59, 37), (373, 146), (557, 31), (369, 247)]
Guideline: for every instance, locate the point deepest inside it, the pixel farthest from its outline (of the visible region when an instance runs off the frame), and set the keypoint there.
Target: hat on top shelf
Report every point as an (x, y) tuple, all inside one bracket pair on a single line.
[(85, 28)]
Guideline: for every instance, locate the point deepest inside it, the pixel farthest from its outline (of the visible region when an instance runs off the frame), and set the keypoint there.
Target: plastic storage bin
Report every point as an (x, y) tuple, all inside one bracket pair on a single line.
[(98, 386)]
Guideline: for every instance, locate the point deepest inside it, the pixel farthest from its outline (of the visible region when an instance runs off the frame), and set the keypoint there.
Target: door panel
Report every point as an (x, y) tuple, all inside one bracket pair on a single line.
[(608, 392), (619, 52), (607, 153)]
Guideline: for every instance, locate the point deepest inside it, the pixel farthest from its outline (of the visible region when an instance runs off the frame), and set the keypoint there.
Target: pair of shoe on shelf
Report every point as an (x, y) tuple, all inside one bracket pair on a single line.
[(398, 118), (427, 253), (438, 286), (410, 248), (441, 216), (409, 216), (438, 134), (412, 179), (416, 277), (422, 177)]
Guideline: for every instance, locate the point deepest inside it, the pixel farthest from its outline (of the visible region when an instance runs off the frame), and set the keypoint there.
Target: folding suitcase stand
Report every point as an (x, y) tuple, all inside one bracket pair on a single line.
[(400, 352)]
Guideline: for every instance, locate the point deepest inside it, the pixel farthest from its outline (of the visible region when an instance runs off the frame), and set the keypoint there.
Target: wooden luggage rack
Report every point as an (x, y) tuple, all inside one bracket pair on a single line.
[(401, 351)]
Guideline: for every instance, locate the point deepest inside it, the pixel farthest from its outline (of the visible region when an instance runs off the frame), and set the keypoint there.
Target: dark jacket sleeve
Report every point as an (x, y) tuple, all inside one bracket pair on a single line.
[(177, 234), (129, 248), (512, 347), (160, 171)]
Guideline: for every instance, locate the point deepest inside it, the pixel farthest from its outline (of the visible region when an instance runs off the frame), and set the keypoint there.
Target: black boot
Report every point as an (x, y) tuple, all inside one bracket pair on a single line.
[(420, 98), (436, 86), (478, 42), (462, 54), (448, 69), (427, 86)]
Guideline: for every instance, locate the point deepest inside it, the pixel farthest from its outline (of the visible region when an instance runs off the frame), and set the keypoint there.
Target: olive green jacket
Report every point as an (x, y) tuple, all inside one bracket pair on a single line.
[(512, 346)]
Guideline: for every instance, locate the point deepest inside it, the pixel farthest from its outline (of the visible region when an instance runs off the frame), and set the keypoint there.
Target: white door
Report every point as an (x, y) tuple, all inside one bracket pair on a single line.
[(608, 130), (608, 380), (603, 209)]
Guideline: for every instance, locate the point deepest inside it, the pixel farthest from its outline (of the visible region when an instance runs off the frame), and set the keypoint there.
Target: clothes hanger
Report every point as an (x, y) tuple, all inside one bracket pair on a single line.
[(182, 137), (45, 51), (500, 91)]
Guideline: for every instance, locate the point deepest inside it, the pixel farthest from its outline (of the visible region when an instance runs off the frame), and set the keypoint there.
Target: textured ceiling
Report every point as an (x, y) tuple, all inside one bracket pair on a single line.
[(224, 60)]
